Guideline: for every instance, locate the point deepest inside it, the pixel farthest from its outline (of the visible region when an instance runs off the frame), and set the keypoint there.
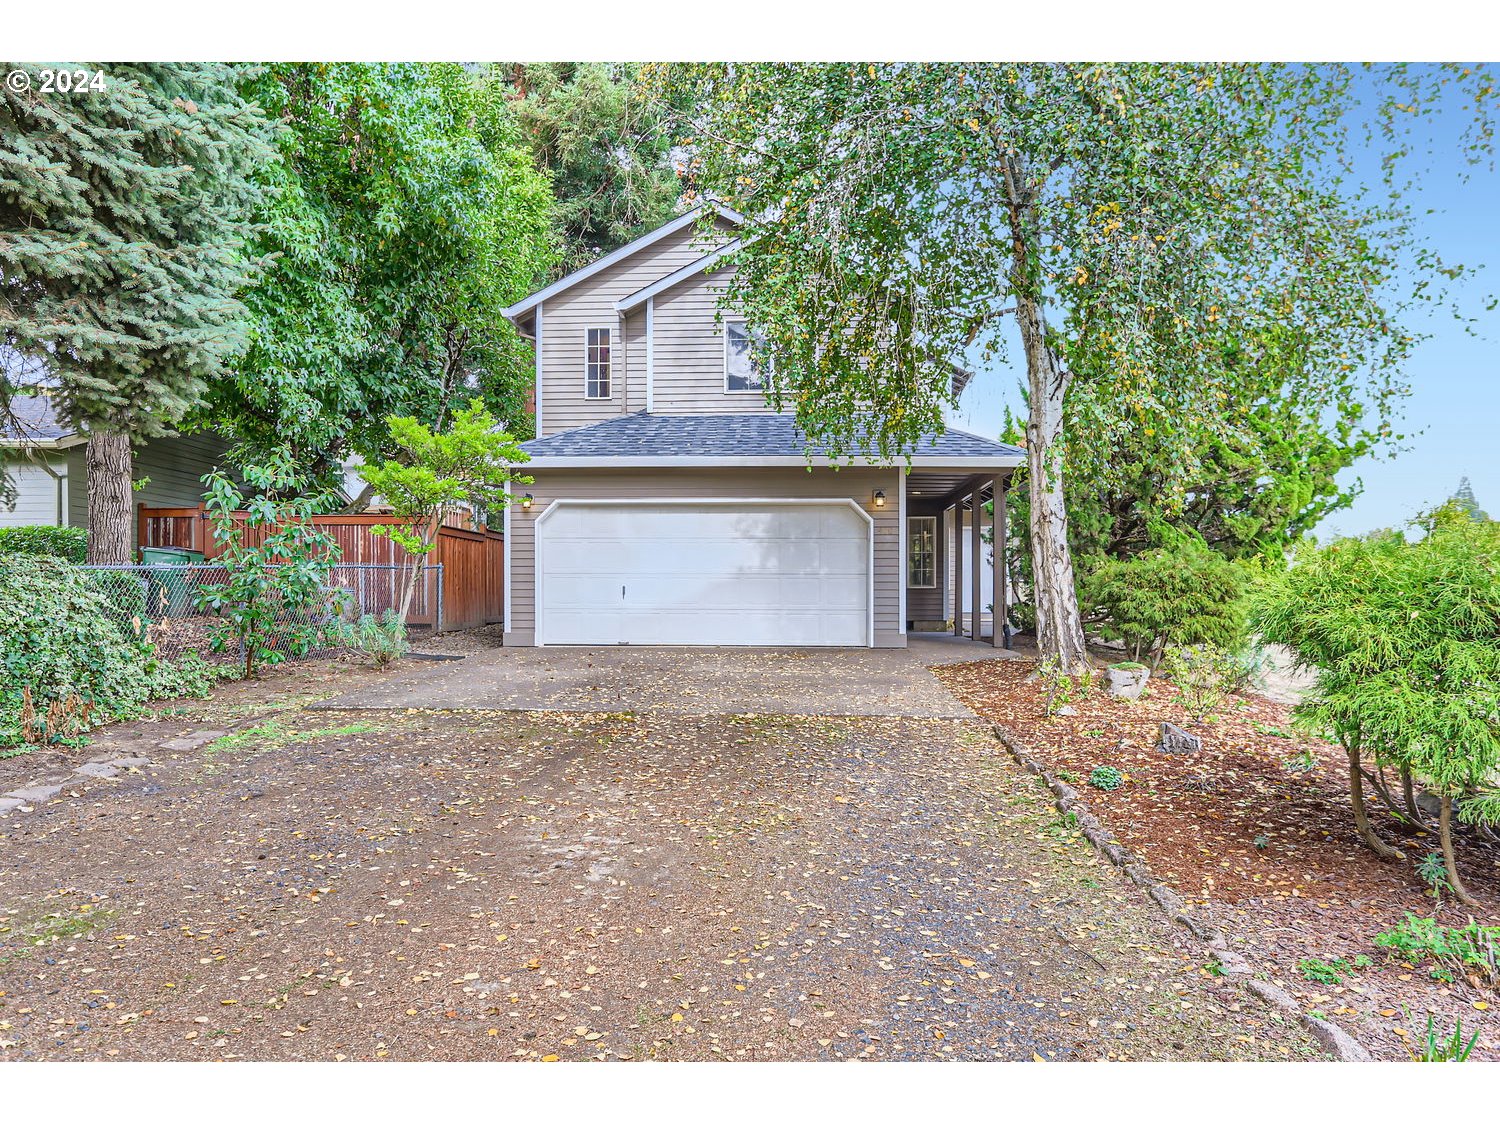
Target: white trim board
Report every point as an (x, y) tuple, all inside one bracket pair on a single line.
[(539, 569), (505, 562), (656, 288)]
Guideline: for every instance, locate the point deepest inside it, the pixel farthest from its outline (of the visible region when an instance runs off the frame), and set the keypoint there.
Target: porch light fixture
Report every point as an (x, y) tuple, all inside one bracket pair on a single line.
[(879, 498), (526, 502)]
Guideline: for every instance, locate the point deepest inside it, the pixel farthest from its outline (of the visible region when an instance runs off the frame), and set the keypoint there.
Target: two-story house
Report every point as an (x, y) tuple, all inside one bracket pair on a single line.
[(672, 505)]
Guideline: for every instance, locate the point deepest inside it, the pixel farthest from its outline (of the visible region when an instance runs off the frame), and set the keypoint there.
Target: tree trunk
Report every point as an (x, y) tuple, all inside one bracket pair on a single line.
[(109, 471), (418, 568), (1361, 816), (1059, 627), (1413, 809), (1450, 860), (361, 502)]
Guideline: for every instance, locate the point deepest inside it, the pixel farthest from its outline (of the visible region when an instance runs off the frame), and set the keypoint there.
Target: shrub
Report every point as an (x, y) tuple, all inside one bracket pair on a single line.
[(66, 662), (1106, 778), (1184, 594), (1471, 952), (381, 638), (1405, 639), (69, 543), (276, 596), (1204, 676)]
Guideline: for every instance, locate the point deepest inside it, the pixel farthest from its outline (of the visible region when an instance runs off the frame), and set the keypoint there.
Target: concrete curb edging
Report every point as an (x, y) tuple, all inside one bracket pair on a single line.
[(1334, 1039)]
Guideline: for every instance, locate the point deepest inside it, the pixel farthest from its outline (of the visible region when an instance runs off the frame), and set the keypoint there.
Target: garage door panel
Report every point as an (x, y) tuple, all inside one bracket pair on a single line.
[(757, 574)]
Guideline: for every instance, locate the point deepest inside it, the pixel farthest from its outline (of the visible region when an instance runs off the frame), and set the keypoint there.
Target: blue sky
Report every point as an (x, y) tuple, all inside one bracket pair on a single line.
[(1453, 413)]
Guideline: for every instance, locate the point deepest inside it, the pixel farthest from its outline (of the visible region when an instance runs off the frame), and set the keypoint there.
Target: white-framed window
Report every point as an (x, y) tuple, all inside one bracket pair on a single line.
[(743, 373), (596, 363), (921, 552)]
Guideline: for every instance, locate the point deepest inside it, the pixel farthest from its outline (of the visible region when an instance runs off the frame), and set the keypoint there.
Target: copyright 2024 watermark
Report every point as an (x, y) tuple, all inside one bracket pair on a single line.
[(56, 80)]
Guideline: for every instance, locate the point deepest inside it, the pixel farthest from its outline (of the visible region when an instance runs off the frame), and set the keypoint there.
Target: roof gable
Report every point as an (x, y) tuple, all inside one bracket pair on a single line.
[(525, 306)]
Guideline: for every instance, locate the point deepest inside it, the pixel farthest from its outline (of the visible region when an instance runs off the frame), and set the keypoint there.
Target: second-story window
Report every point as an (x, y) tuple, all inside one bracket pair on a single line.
[(596, 364), (741, 370)]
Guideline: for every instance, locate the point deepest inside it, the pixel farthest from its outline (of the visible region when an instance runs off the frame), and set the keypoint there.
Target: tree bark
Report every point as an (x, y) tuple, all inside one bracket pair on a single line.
[(1413, 809), (1059, 627), (1361, 816), (361, 502), (1450, 858), (109, 470)]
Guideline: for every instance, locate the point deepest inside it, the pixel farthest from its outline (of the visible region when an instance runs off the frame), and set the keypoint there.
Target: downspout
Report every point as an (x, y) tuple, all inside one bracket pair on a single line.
[(62, 489)]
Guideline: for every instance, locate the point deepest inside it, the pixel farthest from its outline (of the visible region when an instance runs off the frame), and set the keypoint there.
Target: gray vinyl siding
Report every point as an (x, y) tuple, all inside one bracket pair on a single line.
[(171, 466), (689, 375), (644, 484), (39, 493), (635, 361), (591, 304)]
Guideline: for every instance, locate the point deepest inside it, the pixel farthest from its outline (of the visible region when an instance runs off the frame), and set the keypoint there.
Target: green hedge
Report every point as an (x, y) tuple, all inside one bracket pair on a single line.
[(70, 543), (65, 644)]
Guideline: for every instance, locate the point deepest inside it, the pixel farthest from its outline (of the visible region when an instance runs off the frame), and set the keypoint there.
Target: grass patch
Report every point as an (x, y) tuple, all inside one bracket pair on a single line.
[(54, 926), (275, 734)]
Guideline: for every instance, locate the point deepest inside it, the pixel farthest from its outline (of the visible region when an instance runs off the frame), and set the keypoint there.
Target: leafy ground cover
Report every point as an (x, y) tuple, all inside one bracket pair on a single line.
[(1256, 829)]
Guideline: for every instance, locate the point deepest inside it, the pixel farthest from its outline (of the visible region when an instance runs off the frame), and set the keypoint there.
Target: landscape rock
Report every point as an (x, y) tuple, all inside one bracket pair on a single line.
[(97, 769), (37, 792), (10, 804), (1175, 740), (1066, 711), (129, 763), (1127, 683)]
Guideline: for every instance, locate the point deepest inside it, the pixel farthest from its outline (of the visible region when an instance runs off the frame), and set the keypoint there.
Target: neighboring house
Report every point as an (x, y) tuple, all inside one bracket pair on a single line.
[(672, 505), (45, 459)]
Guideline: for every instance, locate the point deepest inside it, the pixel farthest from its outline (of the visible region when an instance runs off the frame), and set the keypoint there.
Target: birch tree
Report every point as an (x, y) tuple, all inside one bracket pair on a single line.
[(1128, 224)]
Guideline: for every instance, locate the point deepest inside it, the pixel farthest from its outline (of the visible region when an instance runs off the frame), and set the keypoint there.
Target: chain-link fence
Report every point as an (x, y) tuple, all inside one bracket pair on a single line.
[(160, 604)]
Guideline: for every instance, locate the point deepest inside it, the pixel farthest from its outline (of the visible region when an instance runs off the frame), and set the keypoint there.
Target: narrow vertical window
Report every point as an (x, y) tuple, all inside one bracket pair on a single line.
[(921, 552), (596, 381)]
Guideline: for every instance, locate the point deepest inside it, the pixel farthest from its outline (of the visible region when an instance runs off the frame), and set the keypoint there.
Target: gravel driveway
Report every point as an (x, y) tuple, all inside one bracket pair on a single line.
[(700, 681), (590, 885)]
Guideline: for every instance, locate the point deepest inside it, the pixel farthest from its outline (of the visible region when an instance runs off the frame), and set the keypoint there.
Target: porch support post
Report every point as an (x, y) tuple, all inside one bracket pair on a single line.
[(958, 566), (998, 638), (976, 557)]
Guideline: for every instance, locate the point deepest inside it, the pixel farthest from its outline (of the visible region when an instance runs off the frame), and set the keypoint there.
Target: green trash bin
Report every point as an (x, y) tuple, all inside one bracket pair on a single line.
[(170, 592)]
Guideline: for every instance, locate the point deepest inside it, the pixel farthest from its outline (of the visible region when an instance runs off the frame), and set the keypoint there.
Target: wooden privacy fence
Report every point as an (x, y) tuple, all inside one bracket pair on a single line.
[(473, 575)]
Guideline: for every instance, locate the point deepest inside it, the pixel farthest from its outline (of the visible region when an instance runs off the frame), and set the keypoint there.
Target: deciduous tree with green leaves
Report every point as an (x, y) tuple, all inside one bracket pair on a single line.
[(124, 217), (277, 596), (403, 214), (468, 465), (1405, 640), (1131, 223)]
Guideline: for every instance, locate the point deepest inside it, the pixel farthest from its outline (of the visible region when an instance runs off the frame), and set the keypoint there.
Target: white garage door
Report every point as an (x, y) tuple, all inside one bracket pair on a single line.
[(656, 573)]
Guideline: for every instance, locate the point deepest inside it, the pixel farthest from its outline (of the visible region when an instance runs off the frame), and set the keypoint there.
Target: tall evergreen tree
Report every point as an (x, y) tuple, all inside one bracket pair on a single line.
[(1464, 500), (123, 217), (604, 145)]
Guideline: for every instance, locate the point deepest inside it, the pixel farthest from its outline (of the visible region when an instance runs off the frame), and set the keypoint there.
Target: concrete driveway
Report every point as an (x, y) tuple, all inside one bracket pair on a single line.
[(697, 681)]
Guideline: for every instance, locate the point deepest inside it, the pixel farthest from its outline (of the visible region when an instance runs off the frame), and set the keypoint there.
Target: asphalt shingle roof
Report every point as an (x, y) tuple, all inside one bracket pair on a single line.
[(37, 418), (725, 435)]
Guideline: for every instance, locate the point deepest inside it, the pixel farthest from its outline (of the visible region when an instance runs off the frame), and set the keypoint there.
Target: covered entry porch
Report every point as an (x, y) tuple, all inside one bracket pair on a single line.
[(956, 554)]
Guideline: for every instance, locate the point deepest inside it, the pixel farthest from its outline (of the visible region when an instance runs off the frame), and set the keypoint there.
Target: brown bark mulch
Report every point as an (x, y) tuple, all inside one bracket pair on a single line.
[(1261, 847)]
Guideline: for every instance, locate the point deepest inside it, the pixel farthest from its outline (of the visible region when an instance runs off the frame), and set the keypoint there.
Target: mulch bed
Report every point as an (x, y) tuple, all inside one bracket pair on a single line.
[(1264, 849)]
